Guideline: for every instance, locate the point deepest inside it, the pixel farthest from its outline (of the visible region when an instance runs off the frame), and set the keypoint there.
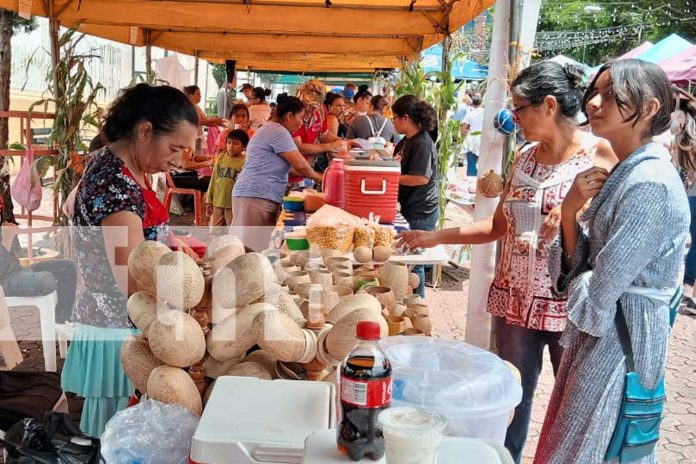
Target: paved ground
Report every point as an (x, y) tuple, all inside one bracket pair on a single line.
[(678, 443)]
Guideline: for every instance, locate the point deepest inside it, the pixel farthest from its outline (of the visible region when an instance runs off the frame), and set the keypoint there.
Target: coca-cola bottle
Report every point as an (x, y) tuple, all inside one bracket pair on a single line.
[(366, 386)]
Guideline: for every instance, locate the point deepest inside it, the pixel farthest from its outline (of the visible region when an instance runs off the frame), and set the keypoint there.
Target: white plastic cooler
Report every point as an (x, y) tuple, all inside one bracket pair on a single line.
[(250, 421), (321, 449)]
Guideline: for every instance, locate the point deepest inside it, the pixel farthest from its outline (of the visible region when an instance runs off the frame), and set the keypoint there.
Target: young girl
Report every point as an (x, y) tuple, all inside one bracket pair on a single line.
[(228, 165), (628, 251)]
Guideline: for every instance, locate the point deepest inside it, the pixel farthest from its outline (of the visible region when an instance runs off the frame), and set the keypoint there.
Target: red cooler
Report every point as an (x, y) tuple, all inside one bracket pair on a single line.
[(372, 187)]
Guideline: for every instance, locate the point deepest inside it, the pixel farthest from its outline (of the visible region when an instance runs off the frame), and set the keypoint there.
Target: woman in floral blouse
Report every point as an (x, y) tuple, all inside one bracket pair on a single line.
[(115, 210)]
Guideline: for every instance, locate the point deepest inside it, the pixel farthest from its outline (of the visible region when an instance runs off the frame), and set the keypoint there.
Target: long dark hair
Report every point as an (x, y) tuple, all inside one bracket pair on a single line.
[(260, 93), (163, 106), (685, 140), (288, 105)]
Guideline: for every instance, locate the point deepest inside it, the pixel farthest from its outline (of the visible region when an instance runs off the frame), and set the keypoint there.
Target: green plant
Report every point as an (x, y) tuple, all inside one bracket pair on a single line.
[(411, 81), (75, 102)]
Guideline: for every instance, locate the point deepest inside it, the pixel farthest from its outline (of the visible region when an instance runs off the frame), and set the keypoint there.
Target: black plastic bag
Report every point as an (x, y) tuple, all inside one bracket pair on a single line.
[(55, 441)]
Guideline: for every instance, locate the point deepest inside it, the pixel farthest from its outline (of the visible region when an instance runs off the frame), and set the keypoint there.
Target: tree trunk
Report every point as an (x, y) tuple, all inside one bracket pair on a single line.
[(6, 30)]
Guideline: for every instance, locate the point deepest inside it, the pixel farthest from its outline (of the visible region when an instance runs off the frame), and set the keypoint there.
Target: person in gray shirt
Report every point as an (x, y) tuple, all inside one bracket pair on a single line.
[(373, 124)]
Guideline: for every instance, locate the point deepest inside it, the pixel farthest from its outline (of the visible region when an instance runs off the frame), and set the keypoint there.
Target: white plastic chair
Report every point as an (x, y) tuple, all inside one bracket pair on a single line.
[(47, 315)]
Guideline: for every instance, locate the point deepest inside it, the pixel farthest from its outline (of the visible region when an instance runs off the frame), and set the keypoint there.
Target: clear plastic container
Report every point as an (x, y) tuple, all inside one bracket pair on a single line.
[(473, 388), (411, 435)]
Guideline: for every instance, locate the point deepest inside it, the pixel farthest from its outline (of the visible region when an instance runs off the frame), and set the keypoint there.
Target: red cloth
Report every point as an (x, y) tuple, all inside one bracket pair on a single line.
[(310, 133), (211, 140), (156, 214), (196, 245)]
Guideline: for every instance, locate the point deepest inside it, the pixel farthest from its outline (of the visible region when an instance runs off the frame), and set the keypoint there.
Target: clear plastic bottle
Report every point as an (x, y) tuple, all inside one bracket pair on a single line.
[(366, 388)]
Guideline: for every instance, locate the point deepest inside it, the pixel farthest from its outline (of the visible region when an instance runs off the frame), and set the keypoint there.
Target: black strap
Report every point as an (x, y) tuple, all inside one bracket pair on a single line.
[(624, 337)]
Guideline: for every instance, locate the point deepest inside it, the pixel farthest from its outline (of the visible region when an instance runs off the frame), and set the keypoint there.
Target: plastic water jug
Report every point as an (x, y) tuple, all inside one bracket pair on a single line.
[(333, 184)]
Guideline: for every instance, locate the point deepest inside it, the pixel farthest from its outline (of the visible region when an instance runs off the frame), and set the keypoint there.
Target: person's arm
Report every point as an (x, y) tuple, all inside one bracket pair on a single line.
[(484, 231), (413, 180), (211, 121), (300, 166), (313, 149), (464, 129), (211, 187), (333, 125), (123, 231), (189, 163), (605, 156)]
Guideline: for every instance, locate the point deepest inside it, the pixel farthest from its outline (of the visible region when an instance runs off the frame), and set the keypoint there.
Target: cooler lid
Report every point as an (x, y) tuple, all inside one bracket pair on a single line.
[(373, 164), (249, 416)]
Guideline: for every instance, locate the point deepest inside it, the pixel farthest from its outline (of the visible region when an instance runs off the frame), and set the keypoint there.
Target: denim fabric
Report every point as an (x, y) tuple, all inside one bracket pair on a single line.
[(471, 164), (524, 349), (427, 223), (690, 268), (44, 278)]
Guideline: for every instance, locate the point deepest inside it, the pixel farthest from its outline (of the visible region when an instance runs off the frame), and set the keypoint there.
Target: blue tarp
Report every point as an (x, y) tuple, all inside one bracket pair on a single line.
[(461, 69)]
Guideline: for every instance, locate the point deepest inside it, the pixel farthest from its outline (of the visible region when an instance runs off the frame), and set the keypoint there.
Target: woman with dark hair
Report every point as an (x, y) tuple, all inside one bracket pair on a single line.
[(335, 106), (193, 92), (620, 269), (259, 109), (271, 154), (528, 315), (361, 104), (374, 124), (417, 153), (115, 210)]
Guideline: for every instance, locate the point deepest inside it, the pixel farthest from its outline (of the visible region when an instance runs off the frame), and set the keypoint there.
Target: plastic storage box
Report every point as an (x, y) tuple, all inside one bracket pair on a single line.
[(473, 388), (320, 448), (372, 187), (250, 421)]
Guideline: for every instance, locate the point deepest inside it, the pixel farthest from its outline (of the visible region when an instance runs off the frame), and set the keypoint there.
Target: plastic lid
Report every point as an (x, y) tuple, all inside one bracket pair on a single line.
[(367, 330), (412, 421), (450, 377)]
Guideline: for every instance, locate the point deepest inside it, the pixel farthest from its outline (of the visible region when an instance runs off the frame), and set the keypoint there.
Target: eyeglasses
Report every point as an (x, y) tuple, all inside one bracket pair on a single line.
[(517, 110)]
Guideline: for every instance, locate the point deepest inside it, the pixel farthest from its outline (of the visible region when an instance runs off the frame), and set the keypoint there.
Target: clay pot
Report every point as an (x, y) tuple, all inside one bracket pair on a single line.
[(411, 300), (342, 291), (418, 309), (413, 332), (354, 303), (384, 295), (138, 361), (332, 260), (278, 335), (304, 290), (413, 280), (396, 325), (233, 337), (295, 278), (394, 274), (283, 268), (176, 338), (299, 258), (340, 267), (399, 310), (343, 279), (321, 277), (172, 385), (328, 253), (422, 322)]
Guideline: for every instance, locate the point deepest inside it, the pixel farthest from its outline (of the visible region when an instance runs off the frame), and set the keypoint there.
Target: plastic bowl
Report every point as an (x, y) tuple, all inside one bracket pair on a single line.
[(296, 242)]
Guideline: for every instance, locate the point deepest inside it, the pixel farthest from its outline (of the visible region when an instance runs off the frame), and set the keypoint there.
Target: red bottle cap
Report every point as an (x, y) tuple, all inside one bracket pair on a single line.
[(368, 330)]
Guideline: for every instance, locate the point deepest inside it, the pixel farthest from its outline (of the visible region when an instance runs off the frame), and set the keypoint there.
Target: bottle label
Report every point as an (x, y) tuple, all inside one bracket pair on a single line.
[(366, 393)]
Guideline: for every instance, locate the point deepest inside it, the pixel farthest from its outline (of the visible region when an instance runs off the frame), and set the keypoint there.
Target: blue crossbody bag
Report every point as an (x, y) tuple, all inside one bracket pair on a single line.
[(638, 428)]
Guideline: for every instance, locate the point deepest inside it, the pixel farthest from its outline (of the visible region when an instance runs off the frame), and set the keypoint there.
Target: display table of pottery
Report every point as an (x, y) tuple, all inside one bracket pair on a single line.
[(199, 321)]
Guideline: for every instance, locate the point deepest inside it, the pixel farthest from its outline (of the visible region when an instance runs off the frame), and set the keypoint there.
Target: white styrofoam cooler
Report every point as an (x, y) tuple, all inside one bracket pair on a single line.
[(250, 421), (320, 448)]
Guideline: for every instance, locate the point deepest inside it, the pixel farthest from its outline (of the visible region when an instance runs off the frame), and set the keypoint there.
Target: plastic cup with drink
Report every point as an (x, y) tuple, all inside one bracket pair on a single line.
[(411, 435)]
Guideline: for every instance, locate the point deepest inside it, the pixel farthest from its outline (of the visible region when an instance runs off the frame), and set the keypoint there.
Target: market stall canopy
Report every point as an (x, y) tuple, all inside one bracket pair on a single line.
[(681, 67), (645, 46), (272, 35), (666, 48)]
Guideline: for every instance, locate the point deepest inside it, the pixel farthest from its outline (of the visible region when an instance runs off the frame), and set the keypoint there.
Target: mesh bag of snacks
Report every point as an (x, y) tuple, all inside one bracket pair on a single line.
[(364, 236), (331, 228), (384, 236)]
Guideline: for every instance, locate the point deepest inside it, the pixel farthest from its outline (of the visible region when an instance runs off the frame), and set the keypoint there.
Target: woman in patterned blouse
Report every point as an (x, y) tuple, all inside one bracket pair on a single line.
[(115, 209), (527, 314)]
